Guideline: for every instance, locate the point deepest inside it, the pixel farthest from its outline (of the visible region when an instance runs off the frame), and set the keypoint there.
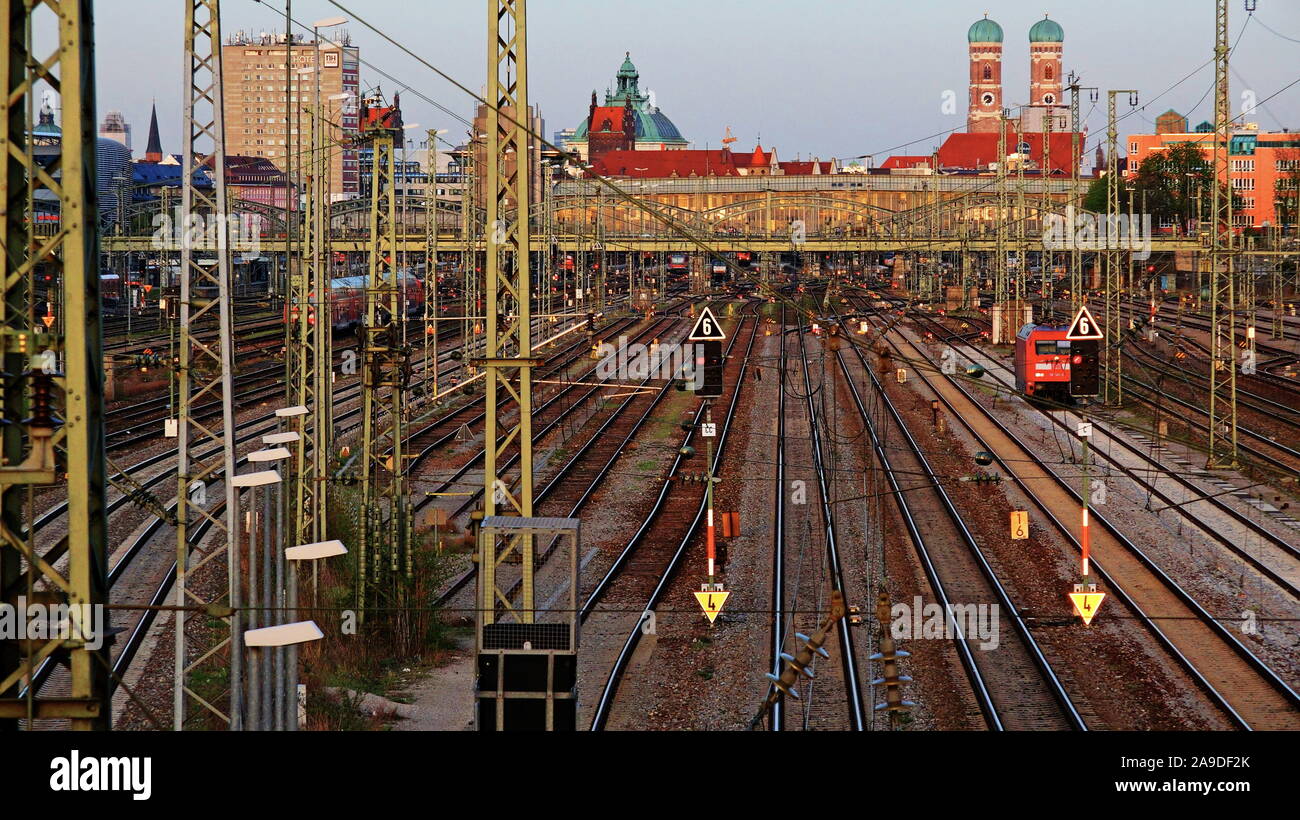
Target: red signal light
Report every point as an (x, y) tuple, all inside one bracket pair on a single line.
[(1076, 359)]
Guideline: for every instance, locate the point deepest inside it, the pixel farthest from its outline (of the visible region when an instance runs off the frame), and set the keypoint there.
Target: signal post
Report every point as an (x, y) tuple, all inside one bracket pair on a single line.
[(707, 336), (1084, 337)]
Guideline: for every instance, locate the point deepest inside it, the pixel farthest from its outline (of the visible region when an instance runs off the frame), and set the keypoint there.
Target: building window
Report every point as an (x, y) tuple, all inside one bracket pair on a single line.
[(1048, 73), (1133, 147), (1243, 166), (1243, 183), (1286, 164), (988, 72)]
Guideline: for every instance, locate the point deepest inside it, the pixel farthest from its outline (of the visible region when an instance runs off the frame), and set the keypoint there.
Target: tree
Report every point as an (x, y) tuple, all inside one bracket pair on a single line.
[(1166, 185), (1287, 189)]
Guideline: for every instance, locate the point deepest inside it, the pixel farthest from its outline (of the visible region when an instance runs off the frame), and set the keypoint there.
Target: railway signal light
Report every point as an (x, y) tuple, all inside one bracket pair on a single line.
[(707, 381), (1084, 372)]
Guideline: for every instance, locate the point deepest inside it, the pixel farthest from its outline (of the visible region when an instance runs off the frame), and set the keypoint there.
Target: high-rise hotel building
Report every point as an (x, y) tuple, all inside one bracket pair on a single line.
[(257, 123)]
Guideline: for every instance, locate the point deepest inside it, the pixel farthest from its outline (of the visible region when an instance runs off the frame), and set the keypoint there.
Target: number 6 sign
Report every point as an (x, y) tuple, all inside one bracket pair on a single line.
[(1084, 328)]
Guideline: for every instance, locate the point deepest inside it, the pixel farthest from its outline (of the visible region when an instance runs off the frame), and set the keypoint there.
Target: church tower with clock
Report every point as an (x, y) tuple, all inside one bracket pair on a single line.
[(985, 38)]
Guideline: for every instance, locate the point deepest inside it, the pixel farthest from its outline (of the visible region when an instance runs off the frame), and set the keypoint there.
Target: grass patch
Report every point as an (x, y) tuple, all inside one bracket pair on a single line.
[(374, 652)]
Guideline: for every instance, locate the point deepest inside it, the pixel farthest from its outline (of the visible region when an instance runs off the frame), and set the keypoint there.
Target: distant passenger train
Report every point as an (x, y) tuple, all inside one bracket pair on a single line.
[(348, 299), (1043, 362)]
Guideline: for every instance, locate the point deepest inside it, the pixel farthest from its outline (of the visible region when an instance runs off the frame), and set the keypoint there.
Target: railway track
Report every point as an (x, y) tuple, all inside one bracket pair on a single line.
[(1271, 555), (850, 678), (777, 624), (137, 625), (1250, 693), (564, 401), (646, 566), (1014, 683)]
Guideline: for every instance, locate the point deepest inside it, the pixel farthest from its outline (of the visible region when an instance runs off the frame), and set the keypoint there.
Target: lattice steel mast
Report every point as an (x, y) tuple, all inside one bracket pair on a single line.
[(1046, 270), (1076, 255), (383, 551), (302, 349), (1112, 357), (431, 272), (322, 331), (49, 411), (205, 452), (1000, 261), (508, 357), (1223, 329)]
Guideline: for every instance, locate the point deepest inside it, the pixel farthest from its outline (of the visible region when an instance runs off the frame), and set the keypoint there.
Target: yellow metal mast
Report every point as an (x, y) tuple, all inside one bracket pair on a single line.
[(51, 385)]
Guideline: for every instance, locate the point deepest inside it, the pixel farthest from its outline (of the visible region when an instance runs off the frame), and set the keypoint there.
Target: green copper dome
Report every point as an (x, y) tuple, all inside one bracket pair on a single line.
[(1046, 31), (984, 31)]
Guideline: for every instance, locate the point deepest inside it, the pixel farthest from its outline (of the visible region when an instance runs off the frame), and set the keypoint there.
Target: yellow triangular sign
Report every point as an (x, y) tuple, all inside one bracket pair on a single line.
[(48, 320), (1086, 604), (711, 603)]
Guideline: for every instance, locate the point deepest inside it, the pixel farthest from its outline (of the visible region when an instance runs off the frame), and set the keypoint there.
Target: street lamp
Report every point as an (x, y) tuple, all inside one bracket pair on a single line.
[(302, 552), (280, 637)]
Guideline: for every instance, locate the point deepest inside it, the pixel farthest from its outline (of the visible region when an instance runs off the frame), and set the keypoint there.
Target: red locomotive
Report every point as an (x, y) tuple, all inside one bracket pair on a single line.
[(1043, 362)]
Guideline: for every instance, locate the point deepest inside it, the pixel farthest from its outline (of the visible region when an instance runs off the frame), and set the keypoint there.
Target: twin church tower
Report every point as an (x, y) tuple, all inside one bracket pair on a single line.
[(1045, 99)]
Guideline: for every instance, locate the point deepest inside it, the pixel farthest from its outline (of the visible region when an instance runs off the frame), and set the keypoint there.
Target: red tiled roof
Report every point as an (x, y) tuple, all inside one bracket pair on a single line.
[(758, 158), (796, 168), (978, 150), (613, 113), (655, 164), (907, 161)]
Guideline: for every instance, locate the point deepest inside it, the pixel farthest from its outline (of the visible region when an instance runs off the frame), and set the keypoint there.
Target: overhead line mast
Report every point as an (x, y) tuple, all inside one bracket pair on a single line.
[(508, 358), (384, 556), (1223, 327), (205, 371), (51, 385)]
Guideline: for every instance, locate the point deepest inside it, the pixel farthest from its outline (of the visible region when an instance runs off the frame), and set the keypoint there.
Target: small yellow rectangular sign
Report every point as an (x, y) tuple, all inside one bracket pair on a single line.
[(1019, 525)]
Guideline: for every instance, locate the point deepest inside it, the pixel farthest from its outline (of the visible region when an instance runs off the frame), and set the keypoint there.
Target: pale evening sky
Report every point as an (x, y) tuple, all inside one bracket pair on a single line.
[(817, 78)]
